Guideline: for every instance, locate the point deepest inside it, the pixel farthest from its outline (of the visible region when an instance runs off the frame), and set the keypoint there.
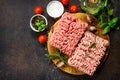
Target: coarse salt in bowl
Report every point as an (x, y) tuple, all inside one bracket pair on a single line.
[(55, 9)]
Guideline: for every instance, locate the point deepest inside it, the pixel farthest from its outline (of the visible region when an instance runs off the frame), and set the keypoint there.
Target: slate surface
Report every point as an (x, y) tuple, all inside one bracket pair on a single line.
[(21, 55)]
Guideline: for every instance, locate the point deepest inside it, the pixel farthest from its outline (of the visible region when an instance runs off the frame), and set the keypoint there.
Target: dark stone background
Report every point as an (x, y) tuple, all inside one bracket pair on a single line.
[(21, 55)]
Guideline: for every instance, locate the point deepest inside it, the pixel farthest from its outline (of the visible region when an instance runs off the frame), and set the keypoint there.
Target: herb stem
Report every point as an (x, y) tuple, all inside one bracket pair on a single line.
[(57, 55), (106, 3)]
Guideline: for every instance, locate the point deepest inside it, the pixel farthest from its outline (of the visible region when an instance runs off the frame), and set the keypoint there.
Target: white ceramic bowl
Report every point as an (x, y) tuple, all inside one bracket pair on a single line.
[(55, 9), (42, 17)]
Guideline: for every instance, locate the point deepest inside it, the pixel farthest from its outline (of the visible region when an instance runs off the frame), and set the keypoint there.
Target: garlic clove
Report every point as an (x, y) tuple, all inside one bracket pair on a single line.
[(60, 64)]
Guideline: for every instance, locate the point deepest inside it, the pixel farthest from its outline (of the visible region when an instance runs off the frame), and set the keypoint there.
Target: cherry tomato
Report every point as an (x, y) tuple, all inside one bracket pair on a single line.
[(38, 10), (42, 39), (65, 2), (73, 8)]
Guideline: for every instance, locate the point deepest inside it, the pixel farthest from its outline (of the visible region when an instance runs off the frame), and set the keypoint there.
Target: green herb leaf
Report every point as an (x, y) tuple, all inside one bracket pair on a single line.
[(37, 24), (44, 26), (41, 22), (101, 18), (100, 5), (103, 25), (110, 12), (106, 3), (106, 30), (113, 22), (92, 45), (40, 29)]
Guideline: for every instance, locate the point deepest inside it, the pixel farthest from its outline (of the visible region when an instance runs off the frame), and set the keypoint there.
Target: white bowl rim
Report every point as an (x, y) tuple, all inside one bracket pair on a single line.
[(57, 2), (46, 22)]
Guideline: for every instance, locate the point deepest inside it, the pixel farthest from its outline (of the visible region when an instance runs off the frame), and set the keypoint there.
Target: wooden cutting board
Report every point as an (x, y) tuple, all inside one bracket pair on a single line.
[(52, 50)]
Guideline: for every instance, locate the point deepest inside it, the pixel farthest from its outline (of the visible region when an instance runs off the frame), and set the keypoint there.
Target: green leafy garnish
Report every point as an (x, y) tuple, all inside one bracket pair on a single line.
[(38, 24), (57, 55), (103, 11), (105, 3), (109, 25), (110, 12), (106, 30), (105, 16), (92, 45), (41, 25), (113, 22), (103, 25)]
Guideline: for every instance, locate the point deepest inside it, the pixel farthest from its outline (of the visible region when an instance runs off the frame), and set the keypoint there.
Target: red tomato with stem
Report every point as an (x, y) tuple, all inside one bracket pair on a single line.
[(73, 9), (42, 39), (65, 2), (38, 10)]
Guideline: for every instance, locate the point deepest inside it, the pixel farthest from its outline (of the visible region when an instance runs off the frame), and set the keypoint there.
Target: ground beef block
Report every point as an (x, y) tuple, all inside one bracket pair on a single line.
[(85, 58), (68, 33)]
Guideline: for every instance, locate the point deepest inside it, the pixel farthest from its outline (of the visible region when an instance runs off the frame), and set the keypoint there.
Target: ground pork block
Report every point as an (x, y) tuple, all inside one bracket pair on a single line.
[(85, 58), (68, 33)]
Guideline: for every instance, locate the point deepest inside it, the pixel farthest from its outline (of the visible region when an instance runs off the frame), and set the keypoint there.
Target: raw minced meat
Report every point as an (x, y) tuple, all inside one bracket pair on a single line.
[(85, 58), (68, 33), (71, 38)]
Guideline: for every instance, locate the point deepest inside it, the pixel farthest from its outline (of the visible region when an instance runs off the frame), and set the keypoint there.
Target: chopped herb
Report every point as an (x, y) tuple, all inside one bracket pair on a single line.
[(92, 45)]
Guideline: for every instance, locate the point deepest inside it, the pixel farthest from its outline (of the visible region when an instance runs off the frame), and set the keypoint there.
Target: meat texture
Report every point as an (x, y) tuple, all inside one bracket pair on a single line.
[(86, 58), (71, 38), (68, 33)]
